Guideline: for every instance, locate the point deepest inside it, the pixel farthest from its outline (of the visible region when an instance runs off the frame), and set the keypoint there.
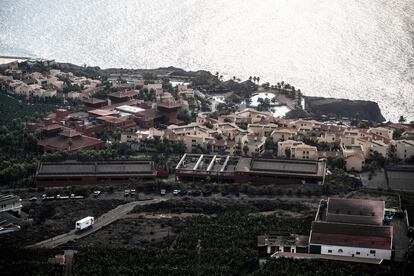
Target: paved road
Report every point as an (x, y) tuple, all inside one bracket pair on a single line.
[(100, 222)]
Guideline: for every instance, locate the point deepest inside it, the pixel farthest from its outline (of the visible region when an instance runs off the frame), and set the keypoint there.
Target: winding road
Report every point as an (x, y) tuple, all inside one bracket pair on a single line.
[(104, 220)]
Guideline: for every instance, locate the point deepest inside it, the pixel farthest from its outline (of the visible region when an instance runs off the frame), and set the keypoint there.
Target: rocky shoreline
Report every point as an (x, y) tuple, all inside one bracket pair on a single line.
[(315, 107)]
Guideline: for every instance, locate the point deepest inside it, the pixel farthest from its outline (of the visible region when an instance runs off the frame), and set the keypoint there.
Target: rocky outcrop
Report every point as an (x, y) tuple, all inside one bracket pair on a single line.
[(362, 110)]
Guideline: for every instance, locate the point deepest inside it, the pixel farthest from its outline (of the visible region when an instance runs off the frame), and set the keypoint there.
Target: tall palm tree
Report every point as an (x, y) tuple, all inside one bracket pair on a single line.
[(70, 143)]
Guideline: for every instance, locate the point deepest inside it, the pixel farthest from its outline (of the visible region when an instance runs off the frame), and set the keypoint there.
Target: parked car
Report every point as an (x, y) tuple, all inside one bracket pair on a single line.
[(97, 193), (163, 192), (183, 192), (176, 192), (33, 198), (127, 192)]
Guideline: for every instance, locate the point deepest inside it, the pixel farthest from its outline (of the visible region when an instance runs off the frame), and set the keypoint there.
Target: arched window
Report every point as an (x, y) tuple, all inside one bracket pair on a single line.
[(340, 251)]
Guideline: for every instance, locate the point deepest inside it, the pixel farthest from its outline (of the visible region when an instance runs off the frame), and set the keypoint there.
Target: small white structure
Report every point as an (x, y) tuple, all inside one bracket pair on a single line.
[(10, 203), (84, 223)]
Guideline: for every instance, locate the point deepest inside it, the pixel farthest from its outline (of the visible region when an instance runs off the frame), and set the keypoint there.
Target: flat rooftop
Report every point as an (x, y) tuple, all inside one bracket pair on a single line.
[(283, 166), (236, 164), (401, 177), (129, 109), (356, 211), (95, 168)]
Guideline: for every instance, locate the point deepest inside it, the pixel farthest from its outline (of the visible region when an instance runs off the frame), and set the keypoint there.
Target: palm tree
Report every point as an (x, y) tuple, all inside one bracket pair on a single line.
[(250, 78), (258, 79), (70, 143), (402, 119)]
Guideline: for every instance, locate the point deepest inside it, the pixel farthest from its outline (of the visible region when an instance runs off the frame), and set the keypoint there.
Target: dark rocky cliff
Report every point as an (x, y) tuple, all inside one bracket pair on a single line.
[(364, 110)]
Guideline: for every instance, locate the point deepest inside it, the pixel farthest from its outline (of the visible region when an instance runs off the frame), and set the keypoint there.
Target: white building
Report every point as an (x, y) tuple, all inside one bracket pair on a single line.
[(10, 203), (404, 149)]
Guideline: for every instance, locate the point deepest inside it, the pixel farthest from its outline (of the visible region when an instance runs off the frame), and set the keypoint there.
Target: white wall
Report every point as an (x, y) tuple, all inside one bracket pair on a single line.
[(364, 252), (15, 207), (281, 249)]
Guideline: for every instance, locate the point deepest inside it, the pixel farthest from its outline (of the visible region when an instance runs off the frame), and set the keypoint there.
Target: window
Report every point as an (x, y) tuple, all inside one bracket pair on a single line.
[(329, 251), (340, 251), (358, 253), (372, 252)]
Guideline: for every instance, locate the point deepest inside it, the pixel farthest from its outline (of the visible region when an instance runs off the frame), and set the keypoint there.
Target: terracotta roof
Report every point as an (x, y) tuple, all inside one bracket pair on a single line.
[(94, 101), (149, 114), (51, 127), (69, 133), (123, 94), (61, 143), (116, 120), (352, 235)]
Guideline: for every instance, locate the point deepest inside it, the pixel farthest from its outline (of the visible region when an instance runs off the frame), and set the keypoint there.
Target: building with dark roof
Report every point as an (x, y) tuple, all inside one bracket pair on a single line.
[(351, 228), (400, 177), (54, 174), (242, 169)]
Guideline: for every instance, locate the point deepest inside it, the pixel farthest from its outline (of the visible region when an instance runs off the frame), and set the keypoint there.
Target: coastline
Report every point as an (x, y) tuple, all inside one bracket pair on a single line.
[(7, 59)]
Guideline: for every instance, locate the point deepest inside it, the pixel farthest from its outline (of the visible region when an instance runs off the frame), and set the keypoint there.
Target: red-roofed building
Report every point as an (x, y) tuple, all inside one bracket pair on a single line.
[(112, 122), (70, 140), (101, 112), (351, 228), (170, 110), (123, 96), (94, 102), (148, 118), (51, 130)]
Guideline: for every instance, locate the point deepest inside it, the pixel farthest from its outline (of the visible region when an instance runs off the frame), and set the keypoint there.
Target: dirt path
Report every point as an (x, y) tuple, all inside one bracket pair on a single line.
[(102, 221), (67, 270)]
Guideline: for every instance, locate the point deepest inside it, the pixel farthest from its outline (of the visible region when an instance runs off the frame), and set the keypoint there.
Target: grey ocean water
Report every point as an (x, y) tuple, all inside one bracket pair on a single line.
[(356, 49)]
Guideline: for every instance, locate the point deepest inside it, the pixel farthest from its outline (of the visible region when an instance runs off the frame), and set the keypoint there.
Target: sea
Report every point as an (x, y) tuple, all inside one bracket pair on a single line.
[(354, 49)]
